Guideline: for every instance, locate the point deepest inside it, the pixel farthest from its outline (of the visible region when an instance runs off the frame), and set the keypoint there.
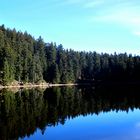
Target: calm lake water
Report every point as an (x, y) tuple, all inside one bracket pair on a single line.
[(71, 113)]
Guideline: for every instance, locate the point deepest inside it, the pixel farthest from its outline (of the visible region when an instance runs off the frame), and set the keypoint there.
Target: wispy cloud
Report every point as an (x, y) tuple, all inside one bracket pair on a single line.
[(121, 16), (83, 3), (71, 2), (137, 124), (137, 33), (123, 13), (94, 3)]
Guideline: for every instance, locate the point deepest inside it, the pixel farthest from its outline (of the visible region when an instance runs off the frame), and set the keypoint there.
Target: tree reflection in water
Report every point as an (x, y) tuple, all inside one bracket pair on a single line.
[(21, 113)]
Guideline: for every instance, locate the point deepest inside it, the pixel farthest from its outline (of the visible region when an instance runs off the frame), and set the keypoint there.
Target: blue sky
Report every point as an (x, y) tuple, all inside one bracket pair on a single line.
[(90, 25)]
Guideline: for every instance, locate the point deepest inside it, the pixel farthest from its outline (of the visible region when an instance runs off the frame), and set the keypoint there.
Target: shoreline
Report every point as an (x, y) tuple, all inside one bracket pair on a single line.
[(39, 85), (49, 85)]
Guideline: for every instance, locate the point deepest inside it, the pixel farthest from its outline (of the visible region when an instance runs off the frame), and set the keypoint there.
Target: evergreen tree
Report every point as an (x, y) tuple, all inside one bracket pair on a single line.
[(26, 59), (6, 72)]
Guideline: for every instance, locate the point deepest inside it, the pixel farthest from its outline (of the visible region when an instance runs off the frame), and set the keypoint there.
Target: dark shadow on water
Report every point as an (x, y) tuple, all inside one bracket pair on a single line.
[(23, 112)]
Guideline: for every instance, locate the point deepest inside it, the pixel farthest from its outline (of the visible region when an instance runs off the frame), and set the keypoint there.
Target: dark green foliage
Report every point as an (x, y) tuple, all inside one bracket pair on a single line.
[(25, 59), (6, 72), (26, 111)]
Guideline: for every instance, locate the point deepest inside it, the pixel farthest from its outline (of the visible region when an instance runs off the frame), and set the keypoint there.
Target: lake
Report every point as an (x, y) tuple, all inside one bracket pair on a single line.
[(110, 112)]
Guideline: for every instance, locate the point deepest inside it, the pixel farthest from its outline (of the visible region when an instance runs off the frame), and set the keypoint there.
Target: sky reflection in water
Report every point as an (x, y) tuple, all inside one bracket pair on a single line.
[(105, 126)]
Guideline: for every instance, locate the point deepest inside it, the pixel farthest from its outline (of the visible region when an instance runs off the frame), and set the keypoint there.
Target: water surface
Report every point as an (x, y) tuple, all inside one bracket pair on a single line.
[(87, 113)]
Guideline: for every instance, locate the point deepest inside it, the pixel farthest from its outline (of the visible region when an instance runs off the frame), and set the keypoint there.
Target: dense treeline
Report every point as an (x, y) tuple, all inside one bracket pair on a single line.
[(26, 59), (22, 113)]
